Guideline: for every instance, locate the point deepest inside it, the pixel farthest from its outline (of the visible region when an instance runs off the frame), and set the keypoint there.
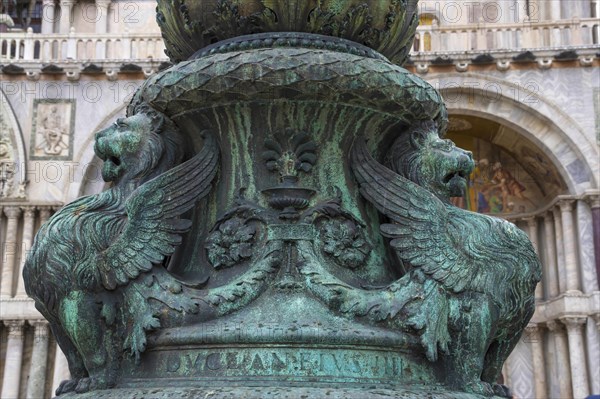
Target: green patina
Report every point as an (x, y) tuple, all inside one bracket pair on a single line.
[(280, 217)]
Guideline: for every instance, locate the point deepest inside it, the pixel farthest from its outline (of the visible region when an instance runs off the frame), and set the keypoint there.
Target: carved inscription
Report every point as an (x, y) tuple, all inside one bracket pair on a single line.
[(232, 362)]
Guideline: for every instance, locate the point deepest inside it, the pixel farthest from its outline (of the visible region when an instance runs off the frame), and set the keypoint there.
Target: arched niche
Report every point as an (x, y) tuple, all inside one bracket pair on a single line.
[(512, 175), (533, 117), (13, 162), (89, 180)]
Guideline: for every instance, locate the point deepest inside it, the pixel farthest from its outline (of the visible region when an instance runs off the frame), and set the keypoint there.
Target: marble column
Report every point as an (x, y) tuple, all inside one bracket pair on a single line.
[(39, 358), (537, 353), (14, 356), (577, 358), (569, 243), (26, 242), (550, 268), (563, 369), (560, 250), (506, 374), (45, 213), (61, 369), (66, 16), (585, 247), (594, 201), (532, 233), (10, 250), (48, 16)]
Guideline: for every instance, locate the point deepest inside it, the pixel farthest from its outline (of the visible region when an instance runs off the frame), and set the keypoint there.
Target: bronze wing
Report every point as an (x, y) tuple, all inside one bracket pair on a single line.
[(424, 231), (153, 227)]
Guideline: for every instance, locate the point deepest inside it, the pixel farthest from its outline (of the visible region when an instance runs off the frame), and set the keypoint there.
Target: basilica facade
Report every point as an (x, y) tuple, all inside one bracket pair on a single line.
[(521, 81)]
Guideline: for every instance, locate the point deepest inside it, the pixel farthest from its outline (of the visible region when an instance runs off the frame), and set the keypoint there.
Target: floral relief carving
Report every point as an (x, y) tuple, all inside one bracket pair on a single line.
[(344, 241), (230, 243)]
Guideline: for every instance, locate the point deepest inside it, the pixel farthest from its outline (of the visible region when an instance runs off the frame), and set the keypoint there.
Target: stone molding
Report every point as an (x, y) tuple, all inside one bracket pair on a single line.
[(574, 324), (570, 304), (574, 320), (504, 60), (19, 308), (421, 63), (552, 209), (12, 212), (15, 328), (593, 199), (566, 205), (534, 331), (28, 211)]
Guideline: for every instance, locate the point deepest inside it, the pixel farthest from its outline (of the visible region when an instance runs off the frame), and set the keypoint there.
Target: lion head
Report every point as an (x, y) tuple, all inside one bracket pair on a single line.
[(139, 147), (436, 164)]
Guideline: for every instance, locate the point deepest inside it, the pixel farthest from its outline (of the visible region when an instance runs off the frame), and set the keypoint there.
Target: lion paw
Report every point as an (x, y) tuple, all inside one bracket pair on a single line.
[(66, 386), (90, 384), (502, 390)]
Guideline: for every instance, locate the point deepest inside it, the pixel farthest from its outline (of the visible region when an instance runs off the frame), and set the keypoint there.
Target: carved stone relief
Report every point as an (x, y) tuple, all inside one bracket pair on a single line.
[(12, 154), (53, 124)]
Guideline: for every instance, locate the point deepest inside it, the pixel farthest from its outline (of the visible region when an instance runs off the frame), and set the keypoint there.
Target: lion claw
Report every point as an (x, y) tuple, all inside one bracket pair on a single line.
[(502, 390), (66, 386)]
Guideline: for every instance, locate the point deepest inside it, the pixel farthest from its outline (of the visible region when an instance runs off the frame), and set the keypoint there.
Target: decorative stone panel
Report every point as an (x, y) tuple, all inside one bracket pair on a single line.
[(52, 133)]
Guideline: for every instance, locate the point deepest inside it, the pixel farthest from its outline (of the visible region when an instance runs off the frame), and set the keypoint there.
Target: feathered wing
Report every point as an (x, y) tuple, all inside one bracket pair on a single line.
[(153, 228), (422, 235), (422, 228)]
